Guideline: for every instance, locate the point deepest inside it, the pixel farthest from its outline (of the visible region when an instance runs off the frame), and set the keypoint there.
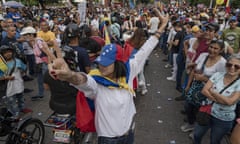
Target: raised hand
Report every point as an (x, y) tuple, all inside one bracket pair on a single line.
[(59, 69), (163, 19)]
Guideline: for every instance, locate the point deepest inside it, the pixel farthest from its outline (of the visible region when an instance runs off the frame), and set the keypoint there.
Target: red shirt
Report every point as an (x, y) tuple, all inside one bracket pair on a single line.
[(202, 47)]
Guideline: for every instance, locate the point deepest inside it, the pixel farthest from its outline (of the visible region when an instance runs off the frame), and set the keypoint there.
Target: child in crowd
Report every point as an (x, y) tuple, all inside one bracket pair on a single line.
[(13, 76)]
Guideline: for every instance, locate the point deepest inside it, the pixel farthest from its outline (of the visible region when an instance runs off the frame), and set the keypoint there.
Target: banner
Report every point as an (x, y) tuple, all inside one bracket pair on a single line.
[(82, 11), (131, 4), (228, 9), (219, 2), (106, 35)]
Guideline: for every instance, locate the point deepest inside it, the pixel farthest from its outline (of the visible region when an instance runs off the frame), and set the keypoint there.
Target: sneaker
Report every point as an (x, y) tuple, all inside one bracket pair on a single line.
[(187, 127), (183, 112), (191, 135), (165, 60), (179, 98), (27, 78), (179, 89), (168, 66), (26, 90), (34, 98), (171, 79), (141, 83), (144, 91)]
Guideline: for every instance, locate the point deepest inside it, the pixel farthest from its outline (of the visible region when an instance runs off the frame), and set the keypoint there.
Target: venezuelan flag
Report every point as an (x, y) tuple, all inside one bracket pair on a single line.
[(106, 35), (228, 9), (3, 65)]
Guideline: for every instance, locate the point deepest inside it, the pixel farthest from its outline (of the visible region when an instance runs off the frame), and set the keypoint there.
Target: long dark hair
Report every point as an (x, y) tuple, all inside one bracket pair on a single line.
[(138, 38), (120, 69)]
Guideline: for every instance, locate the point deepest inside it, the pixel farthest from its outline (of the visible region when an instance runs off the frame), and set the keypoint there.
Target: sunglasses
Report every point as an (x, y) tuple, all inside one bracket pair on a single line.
[(229, 65)]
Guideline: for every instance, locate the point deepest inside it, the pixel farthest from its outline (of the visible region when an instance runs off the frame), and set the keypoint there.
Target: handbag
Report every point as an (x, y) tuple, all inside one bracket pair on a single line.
[(194, 95), (237, 110), (204, 114)]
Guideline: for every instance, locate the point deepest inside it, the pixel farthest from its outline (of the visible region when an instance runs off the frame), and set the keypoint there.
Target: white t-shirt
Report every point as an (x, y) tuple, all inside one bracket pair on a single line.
[(222, 111), (95, 23), (114, 107), (154, 21), (209, 71), (191, 53)]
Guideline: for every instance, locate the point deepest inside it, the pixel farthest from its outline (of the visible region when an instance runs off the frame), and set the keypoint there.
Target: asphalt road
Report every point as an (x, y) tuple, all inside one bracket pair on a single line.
[(158, 117)]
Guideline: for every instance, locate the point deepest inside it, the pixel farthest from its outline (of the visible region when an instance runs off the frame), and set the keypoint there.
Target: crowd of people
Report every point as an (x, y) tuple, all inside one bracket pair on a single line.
[(104, 57)]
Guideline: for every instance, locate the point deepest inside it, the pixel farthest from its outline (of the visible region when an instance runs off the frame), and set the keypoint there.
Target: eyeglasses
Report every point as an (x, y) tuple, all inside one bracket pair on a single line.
[(229, 65)]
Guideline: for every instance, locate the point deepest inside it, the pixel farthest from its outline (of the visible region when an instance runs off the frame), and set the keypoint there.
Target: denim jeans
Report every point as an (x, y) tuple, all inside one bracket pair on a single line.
[(40, 75), (218, 127), (14, 103), (163, 45), (180, 70), (191, 111), (128, 139), (170, 58)]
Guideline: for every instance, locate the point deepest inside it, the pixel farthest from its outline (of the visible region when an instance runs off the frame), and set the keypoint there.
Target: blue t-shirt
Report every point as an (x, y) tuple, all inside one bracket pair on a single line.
[(221, 111), (83, 58), (14, 16), (10, 64)]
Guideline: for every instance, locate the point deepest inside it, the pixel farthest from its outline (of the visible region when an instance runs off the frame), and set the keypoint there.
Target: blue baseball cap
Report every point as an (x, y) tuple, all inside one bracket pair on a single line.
[(233, 18), (110, 53)]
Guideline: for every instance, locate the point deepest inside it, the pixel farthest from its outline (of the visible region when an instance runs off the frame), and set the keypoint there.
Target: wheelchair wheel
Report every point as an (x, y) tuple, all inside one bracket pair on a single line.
[(30, 132)]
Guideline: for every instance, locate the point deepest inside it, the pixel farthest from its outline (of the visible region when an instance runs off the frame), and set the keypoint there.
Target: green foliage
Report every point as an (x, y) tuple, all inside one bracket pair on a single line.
[(143, 1), (195, 2), (235, 3), (29, 2)]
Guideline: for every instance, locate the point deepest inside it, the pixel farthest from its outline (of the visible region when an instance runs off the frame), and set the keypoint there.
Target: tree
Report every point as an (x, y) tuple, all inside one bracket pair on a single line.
[(235, 4)]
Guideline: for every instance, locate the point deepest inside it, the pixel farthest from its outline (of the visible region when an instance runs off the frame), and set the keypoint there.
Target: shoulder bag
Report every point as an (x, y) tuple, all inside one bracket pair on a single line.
[(194, 95)]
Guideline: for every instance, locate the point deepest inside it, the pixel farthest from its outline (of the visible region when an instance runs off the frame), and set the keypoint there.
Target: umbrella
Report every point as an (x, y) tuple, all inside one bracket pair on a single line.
[(13, 4)]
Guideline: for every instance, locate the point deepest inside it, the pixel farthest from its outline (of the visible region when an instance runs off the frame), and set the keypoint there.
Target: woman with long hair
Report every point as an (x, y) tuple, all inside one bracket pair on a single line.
[(110, 86), (223, 91)]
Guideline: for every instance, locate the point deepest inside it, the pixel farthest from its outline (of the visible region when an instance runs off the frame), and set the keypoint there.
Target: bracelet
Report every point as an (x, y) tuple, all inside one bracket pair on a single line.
[(157, 32)]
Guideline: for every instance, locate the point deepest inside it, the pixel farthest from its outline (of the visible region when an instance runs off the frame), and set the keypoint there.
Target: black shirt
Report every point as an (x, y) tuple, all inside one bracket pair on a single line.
[(179, 36), (63, 95), (7, 41)]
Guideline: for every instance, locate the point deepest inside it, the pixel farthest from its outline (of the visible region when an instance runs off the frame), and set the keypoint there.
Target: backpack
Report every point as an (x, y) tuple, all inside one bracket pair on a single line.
[(71, 57)]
